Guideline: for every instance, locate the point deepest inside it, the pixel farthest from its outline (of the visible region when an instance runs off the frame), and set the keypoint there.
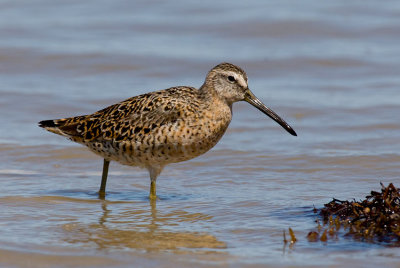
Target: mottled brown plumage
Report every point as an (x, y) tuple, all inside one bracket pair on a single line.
[(163, 127)]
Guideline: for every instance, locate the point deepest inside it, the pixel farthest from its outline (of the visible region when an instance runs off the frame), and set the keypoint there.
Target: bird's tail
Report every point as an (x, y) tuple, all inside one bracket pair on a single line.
[(66, 127)]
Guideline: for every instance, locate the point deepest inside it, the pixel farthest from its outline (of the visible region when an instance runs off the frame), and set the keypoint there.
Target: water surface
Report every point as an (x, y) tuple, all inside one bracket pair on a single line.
[(330, 69)]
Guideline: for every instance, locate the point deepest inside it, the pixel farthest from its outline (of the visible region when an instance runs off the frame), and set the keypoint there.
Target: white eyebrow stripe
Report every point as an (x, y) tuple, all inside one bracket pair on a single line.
[(242, 82), (239, 78)]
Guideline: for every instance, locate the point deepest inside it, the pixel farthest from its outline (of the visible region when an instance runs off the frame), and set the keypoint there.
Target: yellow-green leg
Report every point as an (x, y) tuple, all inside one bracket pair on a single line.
[(154, 172), (102, 191), (153, 195)]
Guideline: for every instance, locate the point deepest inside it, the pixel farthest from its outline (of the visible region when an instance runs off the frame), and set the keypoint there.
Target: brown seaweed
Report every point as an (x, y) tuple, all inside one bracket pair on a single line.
[(374, 219)]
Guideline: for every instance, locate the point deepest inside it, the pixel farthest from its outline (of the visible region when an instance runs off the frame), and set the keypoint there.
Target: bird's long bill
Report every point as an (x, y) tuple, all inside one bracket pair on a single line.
[(253, 100)]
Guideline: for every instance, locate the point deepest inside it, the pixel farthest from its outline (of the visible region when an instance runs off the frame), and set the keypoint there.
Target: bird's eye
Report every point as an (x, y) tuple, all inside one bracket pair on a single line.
[(231, 78)]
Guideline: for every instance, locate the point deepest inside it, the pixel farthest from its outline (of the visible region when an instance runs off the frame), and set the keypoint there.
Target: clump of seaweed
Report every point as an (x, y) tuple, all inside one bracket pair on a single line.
[(374, 219)]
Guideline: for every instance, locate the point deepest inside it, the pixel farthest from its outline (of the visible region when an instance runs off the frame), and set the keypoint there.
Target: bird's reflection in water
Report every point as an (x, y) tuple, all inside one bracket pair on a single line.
[(143, 228)]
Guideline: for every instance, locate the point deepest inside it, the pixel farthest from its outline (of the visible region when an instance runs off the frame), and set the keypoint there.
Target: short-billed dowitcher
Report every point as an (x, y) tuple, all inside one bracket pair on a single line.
[(163, 127)]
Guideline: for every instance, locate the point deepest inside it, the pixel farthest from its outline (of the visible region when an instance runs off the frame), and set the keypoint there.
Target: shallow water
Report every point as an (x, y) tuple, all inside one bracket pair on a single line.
[(330, 69)]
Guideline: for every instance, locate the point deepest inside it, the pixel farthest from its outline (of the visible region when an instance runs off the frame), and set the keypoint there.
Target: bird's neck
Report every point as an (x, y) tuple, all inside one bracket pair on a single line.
[(208, 92)]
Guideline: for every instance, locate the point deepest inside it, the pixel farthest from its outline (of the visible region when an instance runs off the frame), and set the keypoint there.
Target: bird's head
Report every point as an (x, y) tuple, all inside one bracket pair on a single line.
[(229, 82)]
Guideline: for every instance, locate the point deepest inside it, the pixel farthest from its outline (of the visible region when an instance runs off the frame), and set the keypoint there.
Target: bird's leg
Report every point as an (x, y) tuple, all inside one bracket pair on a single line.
[(102, 191), (154, 172), (153, 195)]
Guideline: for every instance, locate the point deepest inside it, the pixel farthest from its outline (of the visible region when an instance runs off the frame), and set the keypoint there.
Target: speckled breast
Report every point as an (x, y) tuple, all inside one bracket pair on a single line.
[(188, 137)]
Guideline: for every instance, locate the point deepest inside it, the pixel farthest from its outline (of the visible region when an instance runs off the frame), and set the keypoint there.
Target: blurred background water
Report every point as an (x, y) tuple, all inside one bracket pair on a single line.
[(331, 69)]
